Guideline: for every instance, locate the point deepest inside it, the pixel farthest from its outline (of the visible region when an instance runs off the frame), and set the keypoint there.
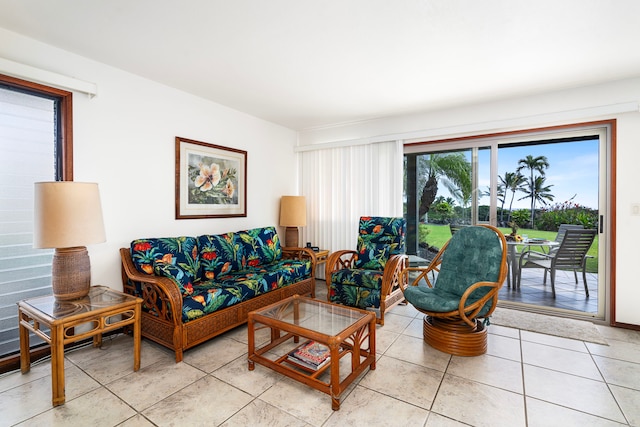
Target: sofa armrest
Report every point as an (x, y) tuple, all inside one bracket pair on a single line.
[(160, 295), (291, 252)]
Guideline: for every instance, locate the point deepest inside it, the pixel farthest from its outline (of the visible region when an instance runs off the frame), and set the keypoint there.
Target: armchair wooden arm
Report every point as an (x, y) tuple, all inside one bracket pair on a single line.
[(468, 313), (393, 278)]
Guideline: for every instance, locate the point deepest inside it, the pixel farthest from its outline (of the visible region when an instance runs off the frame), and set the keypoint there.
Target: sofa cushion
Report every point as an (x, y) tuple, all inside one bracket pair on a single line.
[(230, 252), (175, 273), (179, 252), (237, 286), (218, 255), (259, 246), (207, 299)]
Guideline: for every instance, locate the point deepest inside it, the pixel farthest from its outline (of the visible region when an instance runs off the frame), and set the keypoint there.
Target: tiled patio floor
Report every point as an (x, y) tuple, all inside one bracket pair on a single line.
[(569, 295)]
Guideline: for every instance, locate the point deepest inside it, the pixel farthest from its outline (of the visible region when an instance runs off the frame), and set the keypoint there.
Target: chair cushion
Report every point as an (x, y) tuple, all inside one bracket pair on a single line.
[(378, 239), (473, 255), (356, 288), (437, 300)]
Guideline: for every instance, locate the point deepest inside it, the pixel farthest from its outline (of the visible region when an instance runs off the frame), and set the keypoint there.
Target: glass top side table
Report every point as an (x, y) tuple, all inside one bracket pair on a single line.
[(103, 310)]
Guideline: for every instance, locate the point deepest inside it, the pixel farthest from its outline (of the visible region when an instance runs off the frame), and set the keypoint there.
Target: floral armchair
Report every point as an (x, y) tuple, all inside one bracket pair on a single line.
[(369, 278)]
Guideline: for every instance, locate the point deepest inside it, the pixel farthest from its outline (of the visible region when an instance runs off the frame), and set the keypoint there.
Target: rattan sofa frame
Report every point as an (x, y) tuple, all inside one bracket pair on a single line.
[(162, 304)]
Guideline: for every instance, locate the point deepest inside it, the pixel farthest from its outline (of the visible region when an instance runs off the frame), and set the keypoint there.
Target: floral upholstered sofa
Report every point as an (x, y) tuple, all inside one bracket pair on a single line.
[(195, 288)]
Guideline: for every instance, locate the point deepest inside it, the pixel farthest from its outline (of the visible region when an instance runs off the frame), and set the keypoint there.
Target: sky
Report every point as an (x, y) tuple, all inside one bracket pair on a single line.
[(572, 171)]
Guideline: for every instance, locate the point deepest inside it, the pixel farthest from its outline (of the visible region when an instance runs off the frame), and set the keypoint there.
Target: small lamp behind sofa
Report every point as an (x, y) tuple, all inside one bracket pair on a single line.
[(293, 214)]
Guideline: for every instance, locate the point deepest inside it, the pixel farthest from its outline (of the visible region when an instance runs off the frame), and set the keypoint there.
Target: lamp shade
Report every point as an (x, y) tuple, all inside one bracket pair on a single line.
[(67, 214), (293, 211)]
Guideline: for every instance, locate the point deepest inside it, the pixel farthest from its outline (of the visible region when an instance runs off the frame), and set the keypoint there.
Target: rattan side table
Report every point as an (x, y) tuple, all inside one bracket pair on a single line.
[(103, 310), (321, 258)]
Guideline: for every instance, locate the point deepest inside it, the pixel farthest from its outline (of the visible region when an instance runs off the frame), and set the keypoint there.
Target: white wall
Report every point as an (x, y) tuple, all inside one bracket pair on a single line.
[(617, 100), (124, 139)]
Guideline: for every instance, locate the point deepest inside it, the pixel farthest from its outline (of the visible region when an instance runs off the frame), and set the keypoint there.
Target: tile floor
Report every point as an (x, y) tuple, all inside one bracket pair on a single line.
[(525, 379)]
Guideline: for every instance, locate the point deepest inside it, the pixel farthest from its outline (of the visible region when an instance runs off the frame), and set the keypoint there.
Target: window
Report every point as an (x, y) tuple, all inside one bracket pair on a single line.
[(35, 142)]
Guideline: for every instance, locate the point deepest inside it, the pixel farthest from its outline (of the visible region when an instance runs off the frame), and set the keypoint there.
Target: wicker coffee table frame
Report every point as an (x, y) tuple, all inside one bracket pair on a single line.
[(357, 339)]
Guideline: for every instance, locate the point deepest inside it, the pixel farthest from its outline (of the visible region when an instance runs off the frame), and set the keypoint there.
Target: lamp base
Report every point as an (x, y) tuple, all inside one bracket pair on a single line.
[(70, 273), (291, 238)]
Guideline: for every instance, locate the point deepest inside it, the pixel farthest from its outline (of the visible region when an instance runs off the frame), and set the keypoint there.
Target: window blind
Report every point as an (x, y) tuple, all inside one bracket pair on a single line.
[(27, 146)]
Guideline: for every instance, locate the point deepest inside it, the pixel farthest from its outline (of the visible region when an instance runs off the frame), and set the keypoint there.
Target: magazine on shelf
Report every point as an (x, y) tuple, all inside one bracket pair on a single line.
[(311, 355)]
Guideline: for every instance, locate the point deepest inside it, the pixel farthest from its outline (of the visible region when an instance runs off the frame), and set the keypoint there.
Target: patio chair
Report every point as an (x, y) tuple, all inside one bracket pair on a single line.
[(570, 255), (454, 228), (369, 278), (473, 267), (562, 230)]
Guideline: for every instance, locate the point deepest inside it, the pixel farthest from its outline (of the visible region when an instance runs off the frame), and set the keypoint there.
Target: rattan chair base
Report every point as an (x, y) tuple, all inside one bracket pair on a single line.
[(455, 337)]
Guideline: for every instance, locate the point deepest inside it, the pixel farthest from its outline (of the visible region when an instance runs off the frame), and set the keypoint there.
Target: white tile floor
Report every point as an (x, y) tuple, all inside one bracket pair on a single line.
[(525, 379)]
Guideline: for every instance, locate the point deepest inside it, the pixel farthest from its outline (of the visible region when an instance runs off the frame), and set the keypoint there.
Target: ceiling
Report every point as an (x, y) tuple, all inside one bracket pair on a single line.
[(308, 63)]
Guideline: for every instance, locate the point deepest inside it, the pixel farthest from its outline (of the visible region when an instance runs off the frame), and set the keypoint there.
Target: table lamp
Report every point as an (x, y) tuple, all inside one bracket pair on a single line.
[(68, 216), (293, 214)]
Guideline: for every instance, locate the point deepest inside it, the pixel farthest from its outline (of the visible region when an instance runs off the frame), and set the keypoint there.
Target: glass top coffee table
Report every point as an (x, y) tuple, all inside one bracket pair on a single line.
[(298, 322)]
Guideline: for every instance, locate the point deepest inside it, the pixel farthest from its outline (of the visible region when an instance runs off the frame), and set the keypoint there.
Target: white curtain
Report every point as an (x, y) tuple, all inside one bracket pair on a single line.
[(342, 184)]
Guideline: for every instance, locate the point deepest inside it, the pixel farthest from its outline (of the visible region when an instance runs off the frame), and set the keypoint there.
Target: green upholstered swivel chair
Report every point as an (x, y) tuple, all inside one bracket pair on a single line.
[(472, 268)]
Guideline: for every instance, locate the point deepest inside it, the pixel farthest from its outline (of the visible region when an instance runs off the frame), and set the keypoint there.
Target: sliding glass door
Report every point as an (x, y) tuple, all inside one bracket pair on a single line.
[(527, 183)]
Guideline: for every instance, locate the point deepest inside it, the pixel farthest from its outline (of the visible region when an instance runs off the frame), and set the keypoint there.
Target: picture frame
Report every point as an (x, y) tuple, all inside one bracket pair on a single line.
[(211, 180)]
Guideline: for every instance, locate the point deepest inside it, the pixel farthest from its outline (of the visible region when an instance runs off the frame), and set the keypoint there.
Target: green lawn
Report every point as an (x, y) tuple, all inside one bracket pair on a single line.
[(439, 234)]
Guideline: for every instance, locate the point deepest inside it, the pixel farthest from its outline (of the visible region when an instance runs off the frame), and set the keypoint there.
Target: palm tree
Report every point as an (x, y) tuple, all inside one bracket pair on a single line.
[(453, 171), (534, 164), (539, 192), (512, 181)]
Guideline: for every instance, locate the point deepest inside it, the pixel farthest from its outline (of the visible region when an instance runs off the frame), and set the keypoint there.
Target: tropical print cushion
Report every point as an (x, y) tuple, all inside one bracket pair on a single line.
[(229, 252), (173, 272), (218, 255), (180, 253), (356, 288), (258, 246), (232, 288), (378, 239)]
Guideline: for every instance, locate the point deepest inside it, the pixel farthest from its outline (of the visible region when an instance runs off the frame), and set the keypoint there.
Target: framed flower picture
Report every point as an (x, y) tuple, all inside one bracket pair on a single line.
[(211, 180)]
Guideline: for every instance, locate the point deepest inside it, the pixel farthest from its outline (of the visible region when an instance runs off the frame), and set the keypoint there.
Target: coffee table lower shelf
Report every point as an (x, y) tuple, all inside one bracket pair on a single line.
[(357, 341)]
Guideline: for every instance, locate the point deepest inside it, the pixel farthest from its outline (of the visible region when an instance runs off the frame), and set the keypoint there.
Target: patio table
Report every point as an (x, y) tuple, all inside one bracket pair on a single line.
[(513, 255)]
